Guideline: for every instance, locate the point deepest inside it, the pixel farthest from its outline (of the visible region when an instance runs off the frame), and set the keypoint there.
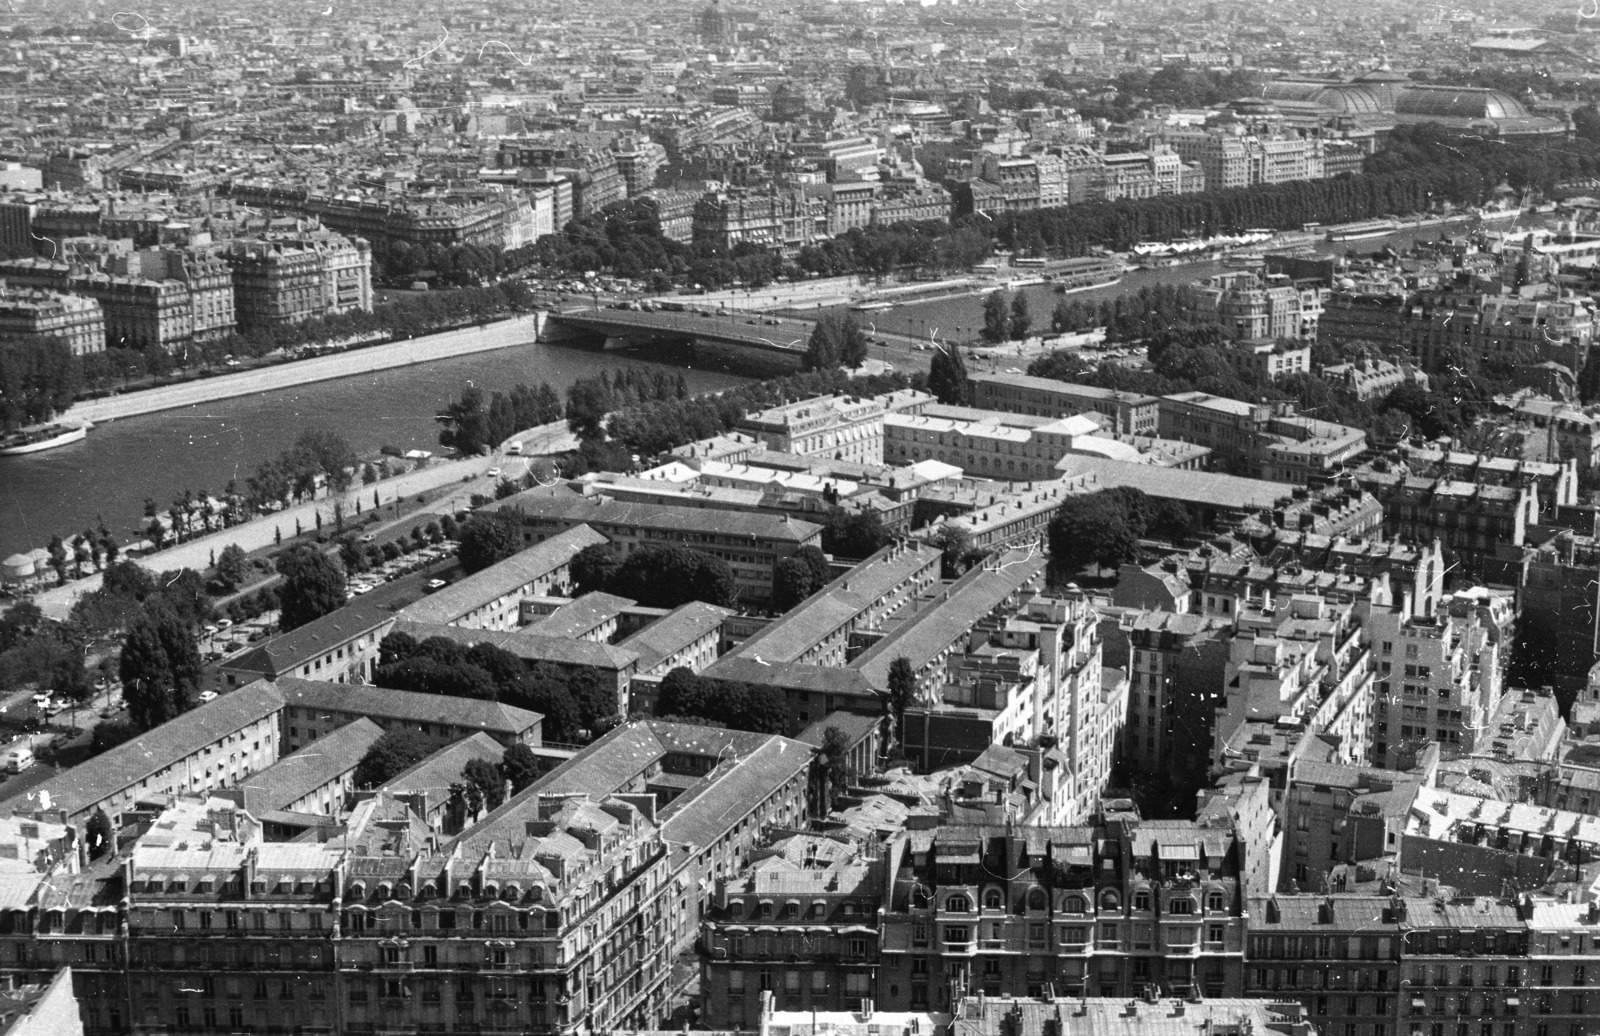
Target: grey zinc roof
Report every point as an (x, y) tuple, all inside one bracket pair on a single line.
[(109, 773), (581, 616), (301, 773), (672, 632), (494, 582), (602, 510), (923, 635), (617, 759), (407, 706), (288, 651), (432, 777), (1203, 488), (791, 676), (834, 604), (528, 646)]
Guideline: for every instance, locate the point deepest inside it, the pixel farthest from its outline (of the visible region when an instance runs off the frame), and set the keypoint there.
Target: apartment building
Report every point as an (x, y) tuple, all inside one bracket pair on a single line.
[(75, 321), (1470, 519), (829, 890), (831, 427), (1262, 306), (1238, 159), (212, 746), (223, 927), (1101, 910), (1170, 659), (714, 793), (827, 628), (311, 710), (1131, 414), (934, 636), (286, 279), (309, 788), (1437, 682), (1372, 379), (752, 544), (491, 599), (339, 647)]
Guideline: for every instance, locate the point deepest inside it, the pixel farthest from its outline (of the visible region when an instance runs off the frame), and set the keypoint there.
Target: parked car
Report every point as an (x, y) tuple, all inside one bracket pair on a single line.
[(206, 696)]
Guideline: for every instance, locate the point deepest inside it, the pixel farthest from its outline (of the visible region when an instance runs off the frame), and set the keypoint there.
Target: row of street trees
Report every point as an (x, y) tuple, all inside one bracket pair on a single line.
[(1006, 317)]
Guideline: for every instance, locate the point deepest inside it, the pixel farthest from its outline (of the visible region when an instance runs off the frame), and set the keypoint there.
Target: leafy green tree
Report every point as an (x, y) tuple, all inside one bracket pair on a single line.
[(594, 568), (395, 752), (313, 585), (834, 759), (855, 536), (1092, 529), (1021, 319), (1589, 377), (791, 583), (520, 766), (852, 342), (488, 537), (329, 453), (485, 777), (823, 349), (947, 376), (682, 693), (232, 567), (817, 564), (666, 577), (954, 540), (902, 692), (465, 424), (588, 402), (159, 667), (996, 325)]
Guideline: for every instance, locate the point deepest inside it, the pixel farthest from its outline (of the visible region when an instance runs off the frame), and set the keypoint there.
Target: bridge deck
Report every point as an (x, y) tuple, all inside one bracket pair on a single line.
[(779, 335)]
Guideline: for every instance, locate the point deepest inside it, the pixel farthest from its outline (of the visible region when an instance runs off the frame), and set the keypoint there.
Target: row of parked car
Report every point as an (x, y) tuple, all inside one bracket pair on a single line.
[(370, 580)]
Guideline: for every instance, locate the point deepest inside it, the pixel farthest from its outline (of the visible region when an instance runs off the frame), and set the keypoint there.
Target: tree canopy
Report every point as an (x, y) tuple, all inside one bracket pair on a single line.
[(488, 537), (313, 585), (395, 752), (739, 706), (159, 667)]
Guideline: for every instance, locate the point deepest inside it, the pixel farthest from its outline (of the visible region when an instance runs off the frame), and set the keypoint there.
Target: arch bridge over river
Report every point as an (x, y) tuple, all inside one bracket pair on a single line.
[(627, 328)]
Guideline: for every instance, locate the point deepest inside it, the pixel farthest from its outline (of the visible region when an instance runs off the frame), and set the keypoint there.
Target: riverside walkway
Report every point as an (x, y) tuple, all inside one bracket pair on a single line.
[(502, 334)]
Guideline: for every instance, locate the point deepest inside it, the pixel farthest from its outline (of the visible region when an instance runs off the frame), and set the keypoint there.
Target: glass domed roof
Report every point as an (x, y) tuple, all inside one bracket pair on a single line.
[(1459, 102)]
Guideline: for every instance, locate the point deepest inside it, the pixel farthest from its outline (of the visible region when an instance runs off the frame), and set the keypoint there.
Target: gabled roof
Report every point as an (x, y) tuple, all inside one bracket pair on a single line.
[(283, 654), (405, 706), (529, 647), (300, 773), (462, 597), (674, 631), (88, 784)]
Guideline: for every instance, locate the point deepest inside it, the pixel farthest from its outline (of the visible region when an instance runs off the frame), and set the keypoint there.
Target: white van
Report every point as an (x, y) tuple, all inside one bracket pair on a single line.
[(515, 449), (18, 758)]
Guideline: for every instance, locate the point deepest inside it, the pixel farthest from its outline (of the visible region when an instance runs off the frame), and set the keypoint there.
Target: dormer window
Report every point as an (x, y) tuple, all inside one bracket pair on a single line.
[(1141, 901), (958, 904)]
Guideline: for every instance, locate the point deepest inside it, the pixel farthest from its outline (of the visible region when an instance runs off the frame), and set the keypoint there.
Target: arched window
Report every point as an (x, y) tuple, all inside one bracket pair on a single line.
[(958, 904), (1036, 899), (1109, 900), (1075, 905), (993, 900)]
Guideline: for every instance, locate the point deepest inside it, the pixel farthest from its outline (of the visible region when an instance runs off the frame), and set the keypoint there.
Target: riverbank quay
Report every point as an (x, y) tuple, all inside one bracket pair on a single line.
[(517, 330)]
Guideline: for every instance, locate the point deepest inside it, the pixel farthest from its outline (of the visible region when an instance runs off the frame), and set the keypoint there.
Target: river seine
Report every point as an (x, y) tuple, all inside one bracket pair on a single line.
[(113, 470)]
